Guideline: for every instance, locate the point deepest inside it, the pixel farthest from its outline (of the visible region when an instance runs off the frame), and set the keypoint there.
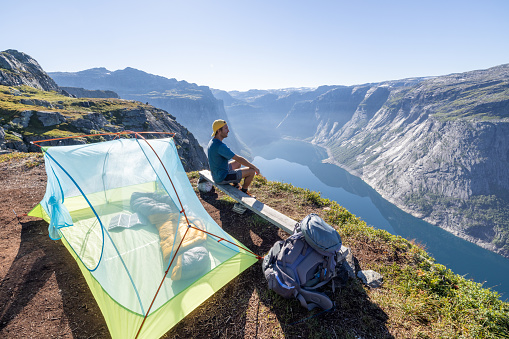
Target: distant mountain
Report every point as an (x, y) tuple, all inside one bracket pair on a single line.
[(256, 114), (193, 106), (437, 147), (33, 107), (126, 81)]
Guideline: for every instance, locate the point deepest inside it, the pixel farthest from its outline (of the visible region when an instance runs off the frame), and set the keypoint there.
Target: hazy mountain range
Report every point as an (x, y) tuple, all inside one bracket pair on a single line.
[(193, 106)]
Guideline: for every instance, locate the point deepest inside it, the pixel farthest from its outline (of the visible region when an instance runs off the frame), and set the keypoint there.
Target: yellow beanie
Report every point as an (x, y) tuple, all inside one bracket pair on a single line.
[(217, 125)]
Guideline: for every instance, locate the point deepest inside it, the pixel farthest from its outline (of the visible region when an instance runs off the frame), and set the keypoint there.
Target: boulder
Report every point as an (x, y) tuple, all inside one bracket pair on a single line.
[(18, 145), (349, 264), (204, 185), (134, 118), (50, 118), (24, 119), (370, 278), (92, 121), (15, 92), (345, 269), (27, 102), (2, 138)]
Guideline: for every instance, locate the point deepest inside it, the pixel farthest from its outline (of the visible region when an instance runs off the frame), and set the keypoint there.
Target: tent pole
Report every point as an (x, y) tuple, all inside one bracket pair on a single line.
[(161, 284)]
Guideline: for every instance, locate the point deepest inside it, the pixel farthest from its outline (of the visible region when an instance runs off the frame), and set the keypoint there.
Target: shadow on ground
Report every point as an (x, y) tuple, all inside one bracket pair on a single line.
[(259, 312), (44, 272)]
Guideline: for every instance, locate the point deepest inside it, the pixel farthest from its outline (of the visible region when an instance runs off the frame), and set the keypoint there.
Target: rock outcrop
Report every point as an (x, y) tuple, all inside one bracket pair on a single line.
[(27, 114), (86, 93), (2, 140), (17, 69)]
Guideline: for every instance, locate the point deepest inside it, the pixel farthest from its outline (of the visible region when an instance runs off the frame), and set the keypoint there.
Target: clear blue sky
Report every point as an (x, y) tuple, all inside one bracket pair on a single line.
[(241, 44)]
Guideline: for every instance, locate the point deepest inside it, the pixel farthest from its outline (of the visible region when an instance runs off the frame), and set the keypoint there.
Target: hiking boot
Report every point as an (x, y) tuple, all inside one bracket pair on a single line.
[(247, 192), (236, 185)]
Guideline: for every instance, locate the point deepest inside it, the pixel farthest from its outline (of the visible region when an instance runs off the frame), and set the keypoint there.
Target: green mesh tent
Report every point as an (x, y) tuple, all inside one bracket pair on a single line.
[(128, 214)]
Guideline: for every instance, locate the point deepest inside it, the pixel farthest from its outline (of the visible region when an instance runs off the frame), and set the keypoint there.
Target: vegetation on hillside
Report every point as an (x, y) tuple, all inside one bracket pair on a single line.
[(29, 159), (474, 101), (471, 99), (15, 100), (419, 299), (488, 215)]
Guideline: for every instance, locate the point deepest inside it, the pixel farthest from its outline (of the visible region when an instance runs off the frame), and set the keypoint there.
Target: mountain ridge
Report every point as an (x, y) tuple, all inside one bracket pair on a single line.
[(17, 68), (356, 123), (33, 107), (193, 105), (433, 146)]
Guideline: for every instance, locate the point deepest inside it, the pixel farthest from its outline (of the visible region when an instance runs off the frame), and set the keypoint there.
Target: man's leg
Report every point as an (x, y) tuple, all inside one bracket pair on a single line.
[(248, 174), (233, 165)]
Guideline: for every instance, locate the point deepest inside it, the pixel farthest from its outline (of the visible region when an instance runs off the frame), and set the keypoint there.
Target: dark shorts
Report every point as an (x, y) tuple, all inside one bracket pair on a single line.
[(233, 176)]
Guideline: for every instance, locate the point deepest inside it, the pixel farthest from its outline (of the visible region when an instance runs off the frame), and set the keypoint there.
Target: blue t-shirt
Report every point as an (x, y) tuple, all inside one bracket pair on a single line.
[(218, 154)]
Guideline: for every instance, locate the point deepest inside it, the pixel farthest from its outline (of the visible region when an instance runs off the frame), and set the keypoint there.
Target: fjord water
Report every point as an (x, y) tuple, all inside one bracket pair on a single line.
[(300, 164)]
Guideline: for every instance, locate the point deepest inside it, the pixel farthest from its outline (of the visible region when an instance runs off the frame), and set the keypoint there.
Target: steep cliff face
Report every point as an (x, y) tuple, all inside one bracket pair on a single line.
[(30, 113), (439, 150), (323, 112), (193, 106), (330, 110), (17, 69)]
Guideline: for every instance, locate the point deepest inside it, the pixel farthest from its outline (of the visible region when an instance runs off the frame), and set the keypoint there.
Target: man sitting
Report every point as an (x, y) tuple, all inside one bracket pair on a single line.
[(225, 165)]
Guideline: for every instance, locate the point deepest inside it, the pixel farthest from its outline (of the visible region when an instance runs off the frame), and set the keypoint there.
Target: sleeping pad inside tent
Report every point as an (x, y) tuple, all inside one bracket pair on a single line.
[(124, 216)]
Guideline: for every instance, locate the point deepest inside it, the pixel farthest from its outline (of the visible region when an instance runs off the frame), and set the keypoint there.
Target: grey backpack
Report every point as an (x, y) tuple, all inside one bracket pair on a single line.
[(298, 266)]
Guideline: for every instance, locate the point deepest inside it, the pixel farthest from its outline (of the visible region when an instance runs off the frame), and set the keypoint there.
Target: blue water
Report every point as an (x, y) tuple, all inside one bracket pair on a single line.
[(301, 164)]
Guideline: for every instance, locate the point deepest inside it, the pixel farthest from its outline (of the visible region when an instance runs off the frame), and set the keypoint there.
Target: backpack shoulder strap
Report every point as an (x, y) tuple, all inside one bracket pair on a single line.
[(312, 299)]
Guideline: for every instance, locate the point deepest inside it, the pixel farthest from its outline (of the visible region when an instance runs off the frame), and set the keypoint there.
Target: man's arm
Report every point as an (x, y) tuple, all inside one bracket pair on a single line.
[(243, 161)]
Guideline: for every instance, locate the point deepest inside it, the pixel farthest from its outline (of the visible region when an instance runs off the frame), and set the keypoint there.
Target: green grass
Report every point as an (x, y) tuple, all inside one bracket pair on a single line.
[(71, 108), (30, 159), (474, 102), (11, 137), (482, 211), (420, 298), (427, 293)]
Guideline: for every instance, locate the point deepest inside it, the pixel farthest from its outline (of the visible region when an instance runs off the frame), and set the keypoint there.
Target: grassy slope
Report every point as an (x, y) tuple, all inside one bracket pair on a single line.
[(71, 108), (419, 299)]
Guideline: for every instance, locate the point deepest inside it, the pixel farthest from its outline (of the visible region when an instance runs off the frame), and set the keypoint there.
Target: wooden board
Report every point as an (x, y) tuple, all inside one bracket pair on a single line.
[(271, 215)]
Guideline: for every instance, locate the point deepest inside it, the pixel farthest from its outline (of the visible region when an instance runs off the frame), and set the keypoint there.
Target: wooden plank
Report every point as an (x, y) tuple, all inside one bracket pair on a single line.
[(271, 215)]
